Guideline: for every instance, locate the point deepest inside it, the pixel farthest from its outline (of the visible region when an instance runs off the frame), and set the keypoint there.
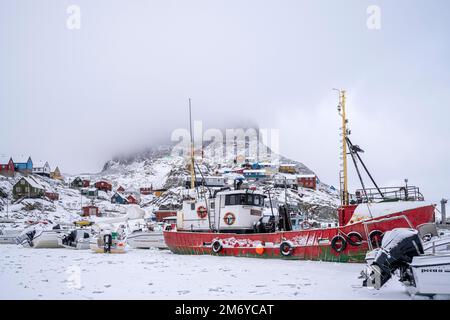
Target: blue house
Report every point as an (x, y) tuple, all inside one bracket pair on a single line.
[(23, 165), (255, 174), (119, 198)]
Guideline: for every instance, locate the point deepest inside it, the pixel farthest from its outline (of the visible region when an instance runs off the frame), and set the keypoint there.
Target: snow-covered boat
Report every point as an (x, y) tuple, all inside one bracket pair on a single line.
[(107, 242), (78, 239), (232, 222), (44, 238), (421, 273), (151, 235), (9, 236)]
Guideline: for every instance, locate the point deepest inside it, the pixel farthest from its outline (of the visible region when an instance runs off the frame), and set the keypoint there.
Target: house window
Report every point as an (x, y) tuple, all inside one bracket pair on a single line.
[(22, 182), (27, 189)]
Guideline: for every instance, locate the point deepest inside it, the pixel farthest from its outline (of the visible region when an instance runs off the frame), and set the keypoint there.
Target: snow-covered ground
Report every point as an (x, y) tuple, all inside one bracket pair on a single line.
[(27, 273)]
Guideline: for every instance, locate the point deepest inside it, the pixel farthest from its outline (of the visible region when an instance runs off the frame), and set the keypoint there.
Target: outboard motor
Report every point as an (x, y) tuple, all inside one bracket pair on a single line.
[(398, 248), (265, 224), (107, 243), (30, 236)]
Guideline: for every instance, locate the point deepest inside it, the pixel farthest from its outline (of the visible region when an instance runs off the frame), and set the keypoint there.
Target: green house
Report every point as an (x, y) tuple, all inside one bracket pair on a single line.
[(28, 187)]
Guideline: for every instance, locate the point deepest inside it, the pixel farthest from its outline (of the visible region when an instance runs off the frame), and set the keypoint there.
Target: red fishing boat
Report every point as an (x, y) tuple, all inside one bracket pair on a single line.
[(235, 222)]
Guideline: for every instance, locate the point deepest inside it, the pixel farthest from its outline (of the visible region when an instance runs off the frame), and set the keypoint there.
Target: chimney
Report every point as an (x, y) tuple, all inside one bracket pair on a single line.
[(444, 218)]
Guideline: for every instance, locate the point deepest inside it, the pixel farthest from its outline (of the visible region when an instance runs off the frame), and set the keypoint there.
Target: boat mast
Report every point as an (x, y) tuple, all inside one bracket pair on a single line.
[(343, 174), (192, 148)]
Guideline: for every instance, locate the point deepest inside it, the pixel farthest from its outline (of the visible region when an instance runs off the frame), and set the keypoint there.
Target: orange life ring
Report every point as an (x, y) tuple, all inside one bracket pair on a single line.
[(229, 218), (202, 212)]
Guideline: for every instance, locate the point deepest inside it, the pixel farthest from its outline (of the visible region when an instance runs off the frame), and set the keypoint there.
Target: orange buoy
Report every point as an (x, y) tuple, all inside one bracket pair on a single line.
[(259, 249)]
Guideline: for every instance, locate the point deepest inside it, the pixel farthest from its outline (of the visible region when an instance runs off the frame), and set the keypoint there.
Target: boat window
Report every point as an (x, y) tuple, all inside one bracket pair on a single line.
[(192, 206), (257, 200)]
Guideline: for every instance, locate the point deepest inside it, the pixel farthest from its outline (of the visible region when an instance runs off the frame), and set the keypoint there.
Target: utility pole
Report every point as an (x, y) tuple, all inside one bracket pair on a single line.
[(443, 213)]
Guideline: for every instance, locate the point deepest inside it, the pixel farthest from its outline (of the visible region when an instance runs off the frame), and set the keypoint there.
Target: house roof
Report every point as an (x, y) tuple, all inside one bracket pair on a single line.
[(4, 159), (33, 182), (21, 159), (40, 164)]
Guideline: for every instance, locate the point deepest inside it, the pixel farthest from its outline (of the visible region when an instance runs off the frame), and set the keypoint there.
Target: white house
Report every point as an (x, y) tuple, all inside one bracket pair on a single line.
[(42, 168)]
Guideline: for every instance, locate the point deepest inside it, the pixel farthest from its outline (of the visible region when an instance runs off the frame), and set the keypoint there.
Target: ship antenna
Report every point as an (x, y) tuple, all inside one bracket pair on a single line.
[(343, 174)]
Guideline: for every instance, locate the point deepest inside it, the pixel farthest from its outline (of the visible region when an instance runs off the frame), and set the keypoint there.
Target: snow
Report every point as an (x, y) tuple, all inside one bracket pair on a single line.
[(366, 210), (27, 273)]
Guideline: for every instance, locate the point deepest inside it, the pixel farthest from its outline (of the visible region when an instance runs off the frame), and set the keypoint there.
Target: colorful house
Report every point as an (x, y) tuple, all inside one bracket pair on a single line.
[(103, 185), (119, 198), (307, 181), (24, 165), (161, 214), (120, 189), (146, 190), (91, 210), (132, 199), (6, 167), (42, 168), (56, 174), (77, 183), (255, 174), (287, 168), (28, 187), (89, 192)]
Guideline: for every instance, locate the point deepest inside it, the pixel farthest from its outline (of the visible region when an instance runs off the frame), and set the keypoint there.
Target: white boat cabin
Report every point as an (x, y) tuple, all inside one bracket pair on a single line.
[(227, 211)]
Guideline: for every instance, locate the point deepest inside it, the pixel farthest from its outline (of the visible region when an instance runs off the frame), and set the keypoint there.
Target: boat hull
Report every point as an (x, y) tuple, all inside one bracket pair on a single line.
[(147, 240), (48, 239), (311, 244)]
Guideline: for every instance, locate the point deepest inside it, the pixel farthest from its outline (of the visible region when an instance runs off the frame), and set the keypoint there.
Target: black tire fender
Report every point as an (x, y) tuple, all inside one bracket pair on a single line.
[(372, 235), (286, 248), (338, 239), (216, 246), (351, 236)]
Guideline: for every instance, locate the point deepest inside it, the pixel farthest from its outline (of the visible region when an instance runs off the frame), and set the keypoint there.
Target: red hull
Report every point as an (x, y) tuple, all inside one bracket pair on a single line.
[(312, 244)]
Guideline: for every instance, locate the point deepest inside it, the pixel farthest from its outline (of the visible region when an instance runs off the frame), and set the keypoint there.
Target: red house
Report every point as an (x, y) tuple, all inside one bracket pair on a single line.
[(307, 181), (132, 200), (120, 189), (103, 185), (161, 214), (52, 196), (86, 183), (6, 167), (146, 190), (91, 211)]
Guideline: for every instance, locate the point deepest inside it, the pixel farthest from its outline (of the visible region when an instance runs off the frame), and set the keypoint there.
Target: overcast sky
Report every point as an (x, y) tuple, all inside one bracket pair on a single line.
[(121, 81)]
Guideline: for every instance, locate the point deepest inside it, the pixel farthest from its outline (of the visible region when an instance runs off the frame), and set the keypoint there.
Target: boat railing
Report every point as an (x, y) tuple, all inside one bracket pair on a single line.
[(405, 193)]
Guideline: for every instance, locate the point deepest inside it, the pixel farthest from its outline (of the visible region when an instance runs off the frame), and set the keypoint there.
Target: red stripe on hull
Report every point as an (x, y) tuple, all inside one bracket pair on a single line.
[(307, 244)]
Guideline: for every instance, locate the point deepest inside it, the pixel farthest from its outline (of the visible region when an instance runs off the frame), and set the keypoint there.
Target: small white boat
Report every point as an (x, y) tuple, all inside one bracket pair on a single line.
[(9, 236), (48, 238), (422, 272), (78, 239), (431, 275), (151, 235), (146, 239)]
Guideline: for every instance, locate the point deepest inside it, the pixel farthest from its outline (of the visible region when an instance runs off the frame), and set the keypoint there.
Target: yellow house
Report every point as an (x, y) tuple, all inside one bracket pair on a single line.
[(287, 168), (56, 174)]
